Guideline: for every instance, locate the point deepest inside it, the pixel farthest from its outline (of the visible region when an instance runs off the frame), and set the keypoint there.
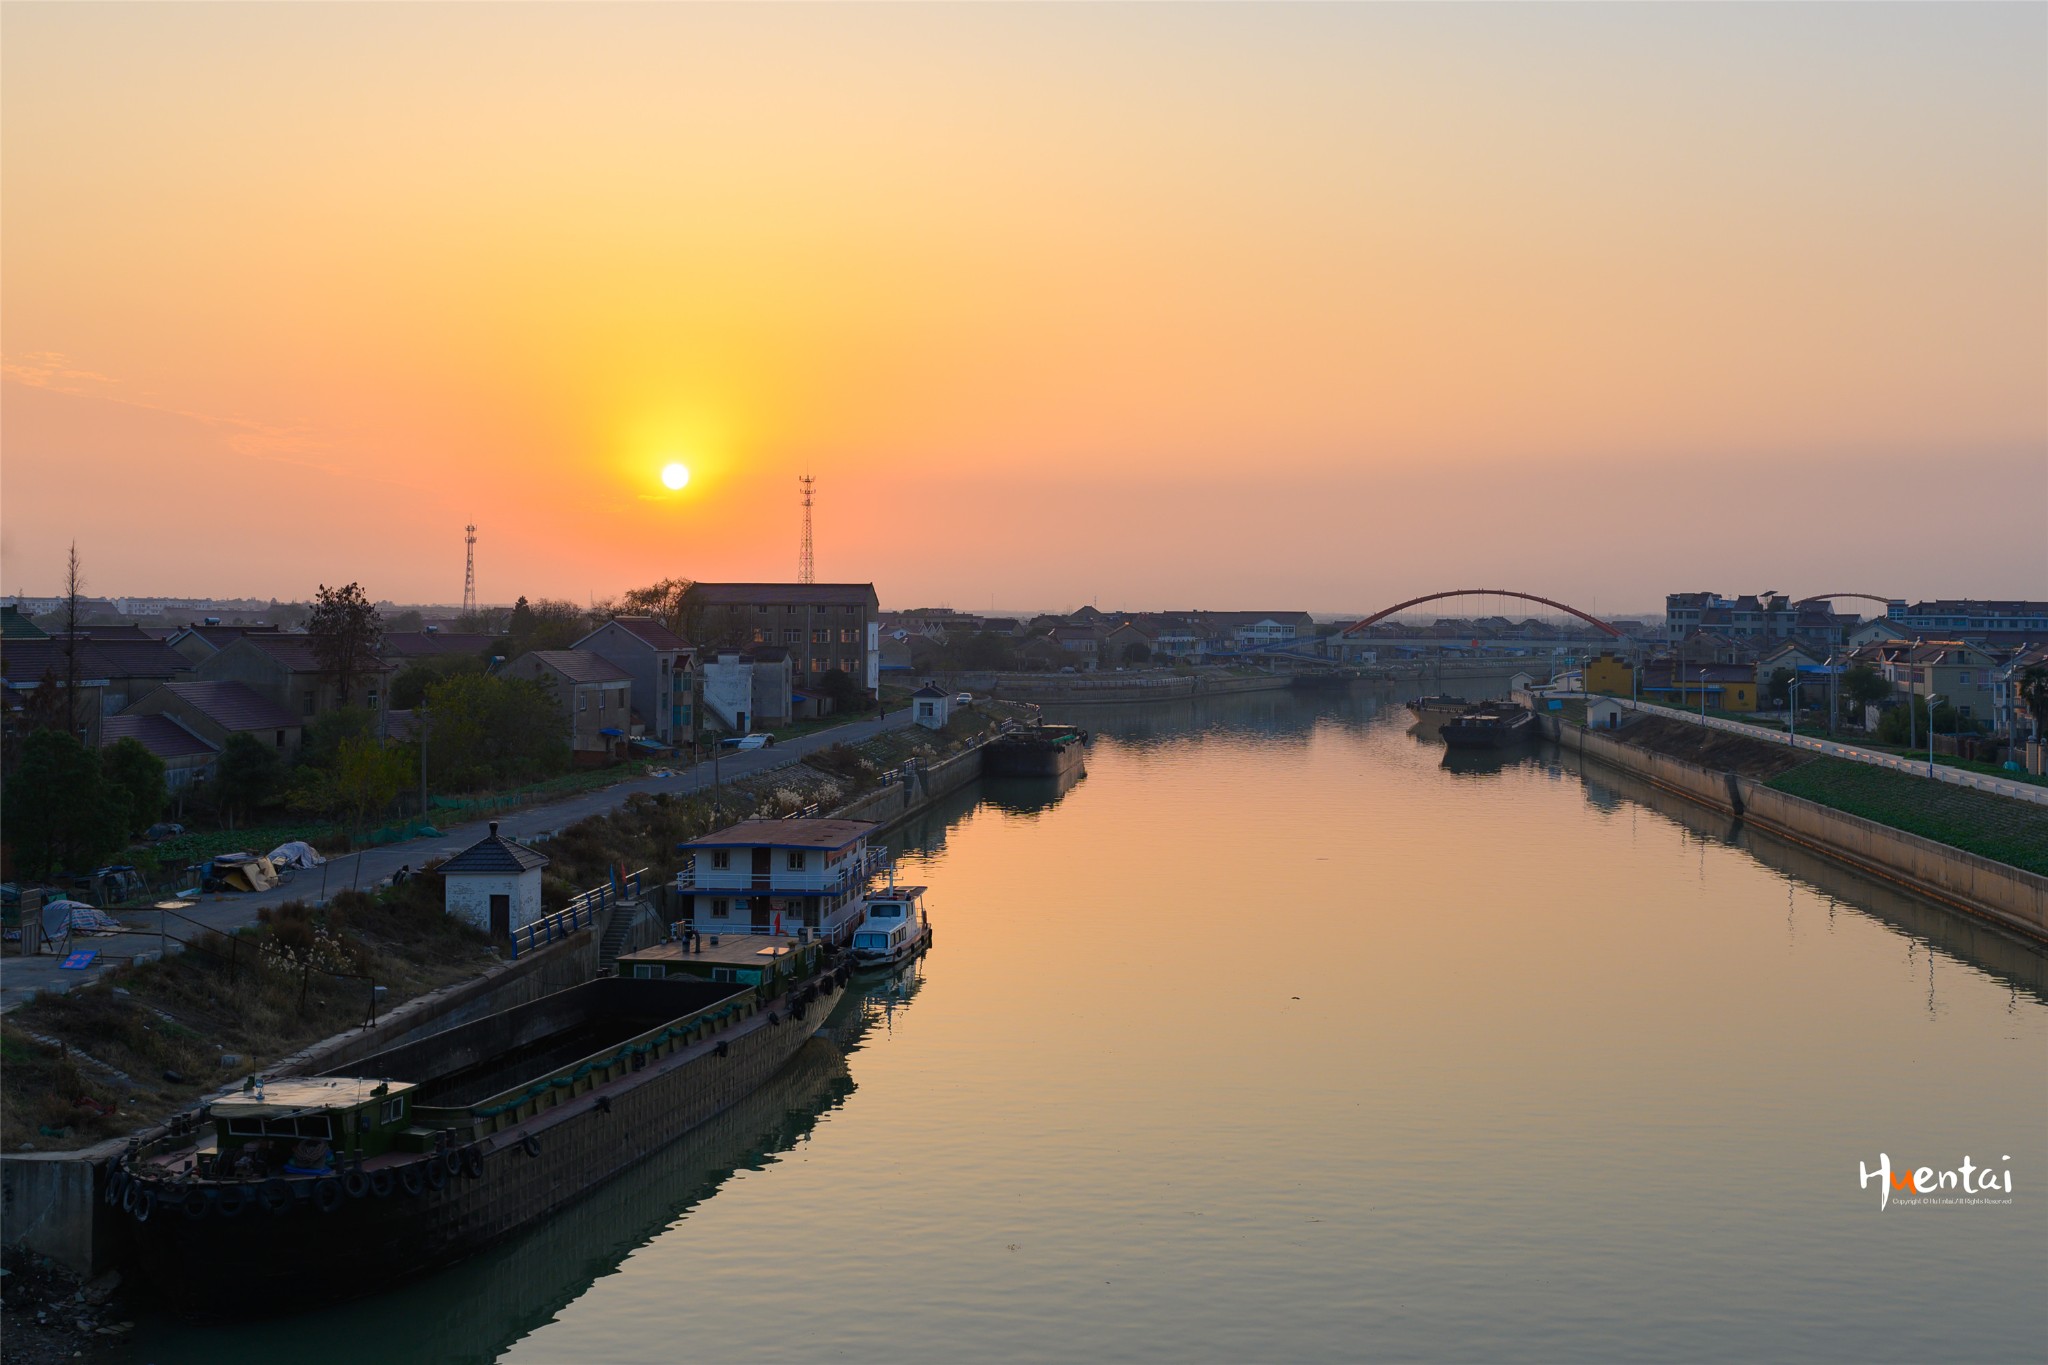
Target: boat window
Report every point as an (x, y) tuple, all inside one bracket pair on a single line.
[(796, 860), (245, 1127), (721, 973), (719, 906), (888, 911), (394, 1110), (320, 1127), (646, 971), (721, 857)]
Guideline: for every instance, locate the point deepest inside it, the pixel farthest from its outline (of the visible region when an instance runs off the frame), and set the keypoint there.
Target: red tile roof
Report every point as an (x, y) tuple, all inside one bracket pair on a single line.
[(161, 735), (233, 705)]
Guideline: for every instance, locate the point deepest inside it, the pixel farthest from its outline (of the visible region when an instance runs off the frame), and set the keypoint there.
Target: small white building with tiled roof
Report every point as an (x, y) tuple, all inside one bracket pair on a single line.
[(930, 707), (494, 884)]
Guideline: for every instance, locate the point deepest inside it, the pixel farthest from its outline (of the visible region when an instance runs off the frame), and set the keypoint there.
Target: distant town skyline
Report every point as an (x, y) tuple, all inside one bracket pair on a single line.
[(1318, 307)]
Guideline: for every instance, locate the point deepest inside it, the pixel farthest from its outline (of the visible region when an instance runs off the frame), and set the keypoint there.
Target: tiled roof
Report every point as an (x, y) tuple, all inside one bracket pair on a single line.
[(494, 854), (780, 594), (420, 644), (301, 653), (24, 662), (220, 637), (578, 666), (161, 735), (233, 705), (928, 691), (138, 657), (786, 834), (650, 631)]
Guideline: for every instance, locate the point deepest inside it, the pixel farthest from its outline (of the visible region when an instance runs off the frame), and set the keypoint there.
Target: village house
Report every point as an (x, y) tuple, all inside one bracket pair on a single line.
[(1084, 642), (201, 642), (747, 689), (290, 671), (214, 710), (595, 694), (931, 707), (661, 665), (187, 757), (1959, 674), (824, 627), (778, 876)]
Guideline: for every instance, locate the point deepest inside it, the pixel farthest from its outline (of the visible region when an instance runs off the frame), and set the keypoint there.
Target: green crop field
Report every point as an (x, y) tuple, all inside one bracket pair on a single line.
[(1998, 827)]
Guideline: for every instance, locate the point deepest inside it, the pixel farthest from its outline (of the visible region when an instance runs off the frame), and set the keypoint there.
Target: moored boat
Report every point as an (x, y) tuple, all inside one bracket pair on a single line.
[(1438, 707), (312, 1189), (1489, 725), (895, 929)]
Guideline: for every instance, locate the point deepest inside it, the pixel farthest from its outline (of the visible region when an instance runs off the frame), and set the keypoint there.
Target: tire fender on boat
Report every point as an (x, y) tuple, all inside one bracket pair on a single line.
[(414, 1182), (473, 1161), (194, 1205), (436, 1173), (117, 1185), (276, 1195), (327, 1194), (451, 1161), (145, 1203), (530, 1145), (355, 1184), (233, 1200), (382, 1183)]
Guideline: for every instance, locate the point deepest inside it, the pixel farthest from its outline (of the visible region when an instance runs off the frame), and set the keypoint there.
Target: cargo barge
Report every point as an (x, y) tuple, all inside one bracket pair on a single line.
[(1490, 725), (312, 1189), (1040, 751)]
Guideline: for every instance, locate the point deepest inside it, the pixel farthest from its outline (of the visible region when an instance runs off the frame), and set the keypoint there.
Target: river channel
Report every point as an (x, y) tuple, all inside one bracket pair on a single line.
[(1277, 1038)]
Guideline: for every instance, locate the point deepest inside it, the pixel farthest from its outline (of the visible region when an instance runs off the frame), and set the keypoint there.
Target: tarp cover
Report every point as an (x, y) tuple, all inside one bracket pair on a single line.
[(297, 853), (78, 917), (253, 874)]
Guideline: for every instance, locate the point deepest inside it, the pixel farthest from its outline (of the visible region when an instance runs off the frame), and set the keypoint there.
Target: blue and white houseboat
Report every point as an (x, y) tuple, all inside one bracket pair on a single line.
[(805, 878)]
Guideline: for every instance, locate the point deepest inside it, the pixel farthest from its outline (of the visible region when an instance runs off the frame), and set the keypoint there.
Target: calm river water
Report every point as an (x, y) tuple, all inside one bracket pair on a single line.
[(1277, 1039)]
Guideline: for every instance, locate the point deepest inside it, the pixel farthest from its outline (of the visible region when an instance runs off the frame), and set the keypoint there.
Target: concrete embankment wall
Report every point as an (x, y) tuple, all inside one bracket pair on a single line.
[(900, 800), (2008, 896), (1091, 690)]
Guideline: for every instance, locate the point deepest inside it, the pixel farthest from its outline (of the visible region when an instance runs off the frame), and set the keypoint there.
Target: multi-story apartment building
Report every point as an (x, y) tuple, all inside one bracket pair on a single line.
[(1755, 617), (826, 627), (1964, 618)]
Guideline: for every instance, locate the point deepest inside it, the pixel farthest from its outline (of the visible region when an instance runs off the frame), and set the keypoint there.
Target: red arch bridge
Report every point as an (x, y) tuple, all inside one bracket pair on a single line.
[(1569, 610)]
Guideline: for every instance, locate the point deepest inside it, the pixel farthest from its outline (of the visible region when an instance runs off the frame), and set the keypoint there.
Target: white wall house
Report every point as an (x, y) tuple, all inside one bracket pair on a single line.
[(798, 874), (931, 707), (494, 884)]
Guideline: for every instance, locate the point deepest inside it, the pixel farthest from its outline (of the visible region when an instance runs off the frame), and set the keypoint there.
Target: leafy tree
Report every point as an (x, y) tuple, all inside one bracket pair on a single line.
[(366, 777), (1907, 723), (408, 621), (409, 688), (1861, 686), (485, 731), (544, 624), (837, 686), (138, 776), (248, 774), (330, 730), (2034, 696), (347, 635), (1779, 689), (59, 809), (1137, 652)]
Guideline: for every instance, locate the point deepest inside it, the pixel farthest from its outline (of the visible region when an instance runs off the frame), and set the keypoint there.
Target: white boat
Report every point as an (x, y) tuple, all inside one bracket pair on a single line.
[(894, 929)]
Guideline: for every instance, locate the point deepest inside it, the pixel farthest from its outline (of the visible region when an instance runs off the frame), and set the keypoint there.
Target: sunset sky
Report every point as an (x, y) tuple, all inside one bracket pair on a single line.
[(1230, 306)]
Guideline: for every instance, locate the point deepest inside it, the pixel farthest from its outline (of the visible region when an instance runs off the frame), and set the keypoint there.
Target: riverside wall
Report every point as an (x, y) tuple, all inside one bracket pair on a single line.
[(2010, 897)]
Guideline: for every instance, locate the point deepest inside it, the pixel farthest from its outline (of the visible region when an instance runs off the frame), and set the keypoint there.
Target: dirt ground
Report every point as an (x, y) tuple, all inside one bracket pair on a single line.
[(47, 1317)]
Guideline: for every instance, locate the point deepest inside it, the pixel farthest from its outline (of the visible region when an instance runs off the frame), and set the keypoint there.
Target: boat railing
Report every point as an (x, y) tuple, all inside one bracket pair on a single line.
[(582, 911), (850, 871)]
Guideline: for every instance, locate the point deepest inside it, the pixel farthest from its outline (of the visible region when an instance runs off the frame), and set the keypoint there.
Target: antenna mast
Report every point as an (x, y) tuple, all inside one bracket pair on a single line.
[(806, 563), (469, 571)]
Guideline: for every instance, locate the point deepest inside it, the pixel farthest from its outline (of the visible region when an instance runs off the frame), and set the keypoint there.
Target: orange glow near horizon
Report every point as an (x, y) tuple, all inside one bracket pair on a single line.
[(1148, 304)]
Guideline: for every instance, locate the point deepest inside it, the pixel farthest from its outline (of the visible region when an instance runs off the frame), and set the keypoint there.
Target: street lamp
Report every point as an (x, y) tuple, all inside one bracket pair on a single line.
[(1932, 697), (1792, 710), (1703, 696)]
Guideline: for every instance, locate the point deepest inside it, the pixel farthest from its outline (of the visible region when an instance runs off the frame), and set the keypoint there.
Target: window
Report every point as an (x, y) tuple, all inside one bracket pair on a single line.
[(308, 704), (280, 739), (721, 857), (719, 906), (760, 636), (821, 637), (645, 971), (721, 973), (394, 1110), (582, 701), (372, 698), (845, 637), (792, 609), (796, 860)]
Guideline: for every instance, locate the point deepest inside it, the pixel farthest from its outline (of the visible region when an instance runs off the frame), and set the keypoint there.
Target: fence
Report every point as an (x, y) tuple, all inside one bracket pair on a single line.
[(580, 913), (1958, 777)]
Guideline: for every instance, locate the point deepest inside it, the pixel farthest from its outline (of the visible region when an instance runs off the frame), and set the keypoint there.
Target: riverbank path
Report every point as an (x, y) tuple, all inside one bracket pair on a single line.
[(22, 977), (1959, 777)]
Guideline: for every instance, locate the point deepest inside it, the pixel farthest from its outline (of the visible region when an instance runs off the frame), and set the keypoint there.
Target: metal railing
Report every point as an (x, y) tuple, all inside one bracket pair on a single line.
[(582, 912), (742, 880), (1958, 777)]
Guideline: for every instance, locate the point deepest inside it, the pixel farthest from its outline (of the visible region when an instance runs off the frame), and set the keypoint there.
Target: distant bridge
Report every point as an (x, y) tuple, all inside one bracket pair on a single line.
[(1863, 596), (1378, 616)]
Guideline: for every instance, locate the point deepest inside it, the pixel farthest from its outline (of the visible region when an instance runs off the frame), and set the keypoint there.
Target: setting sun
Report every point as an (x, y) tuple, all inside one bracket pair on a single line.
[(675, 475)]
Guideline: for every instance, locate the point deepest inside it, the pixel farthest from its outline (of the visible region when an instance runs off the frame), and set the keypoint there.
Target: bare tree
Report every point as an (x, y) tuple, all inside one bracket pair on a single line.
[(347, 634), (74, 588)]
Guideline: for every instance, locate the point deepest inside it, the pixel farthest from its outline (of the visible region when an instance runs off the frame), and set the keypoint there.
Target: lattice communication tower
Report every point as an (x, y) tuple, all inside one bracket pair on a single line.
[(469, 571), (806, 561)]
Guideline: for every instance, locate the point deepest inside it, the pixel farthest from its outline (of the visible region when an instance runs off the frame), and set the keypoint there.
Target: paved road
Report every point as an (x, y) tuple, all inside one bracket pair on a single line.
[(21, 978)]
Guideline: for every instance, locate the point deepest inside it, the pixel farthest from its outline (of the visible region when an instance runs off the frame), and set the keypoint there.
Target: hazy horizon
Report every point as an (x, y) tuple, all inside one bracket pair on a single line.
[(1250, 306)]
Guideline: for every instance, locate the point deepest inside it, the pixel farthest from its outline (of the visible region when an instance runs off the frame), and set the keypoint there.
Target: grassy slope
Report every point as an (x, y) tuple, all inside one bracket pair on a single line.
[(1996, 827)]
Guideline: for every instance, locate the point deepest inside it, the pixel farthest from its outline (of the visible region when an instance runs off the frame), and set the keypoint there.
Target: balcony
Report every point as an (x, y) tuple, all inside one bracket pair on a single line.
[(852, 873)]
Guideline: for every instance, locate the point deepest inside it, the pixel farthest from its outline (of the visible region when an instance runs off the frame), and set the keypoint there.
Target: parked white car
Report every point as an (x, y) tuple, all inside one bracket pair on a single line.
[(963, 699)]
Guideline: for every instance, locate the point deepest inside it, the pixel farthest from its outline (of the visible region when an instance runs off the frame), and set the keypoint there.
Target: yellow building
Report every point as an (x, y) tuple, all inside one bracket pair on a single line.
[(1610, 675)]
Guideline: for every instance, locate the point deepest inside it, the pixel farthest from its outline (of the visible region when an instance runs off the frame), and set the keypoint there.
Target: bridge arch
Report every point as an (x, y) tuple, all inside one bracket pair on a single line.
[(1382, 615), (1862, 596)]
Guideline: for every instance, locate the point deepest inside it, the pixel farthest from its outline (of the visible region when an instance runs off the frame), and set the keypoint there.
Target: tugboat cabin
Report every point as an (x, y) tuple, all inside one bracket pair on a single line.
[(301, 1124), (894, 919), (767, 963), (777, 877)]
